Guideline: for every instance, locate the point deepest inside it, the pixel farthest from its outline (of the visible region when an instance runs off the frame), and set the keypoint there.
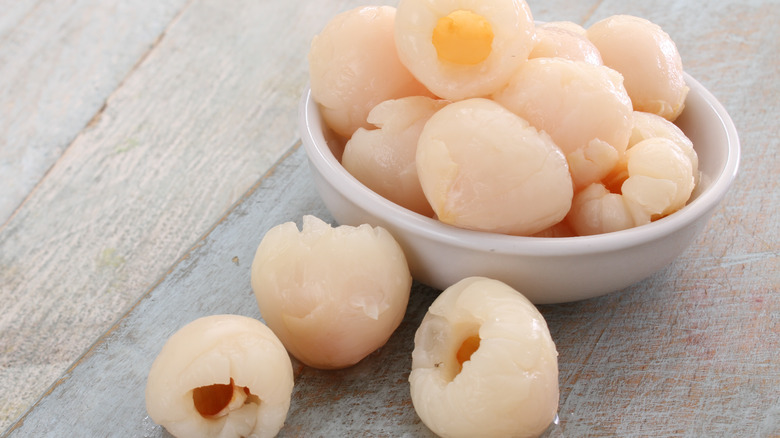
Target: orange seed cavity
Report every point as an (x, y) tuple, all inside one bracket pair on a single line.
[(463, 37)]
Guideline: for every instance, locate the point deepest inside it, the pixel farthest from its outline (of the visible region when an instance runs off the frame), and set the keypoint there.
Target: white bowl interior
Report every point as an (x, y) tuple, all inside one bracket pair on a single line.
[(546, 270)]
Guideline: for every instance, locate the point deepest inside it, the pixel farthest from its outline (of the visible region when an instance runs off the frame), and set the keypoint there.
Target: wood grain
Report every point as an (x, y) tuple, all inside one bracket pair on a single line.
[(654, 359), (192, 127), (126, 238), (13, 13), (213, 278), (59, 62)]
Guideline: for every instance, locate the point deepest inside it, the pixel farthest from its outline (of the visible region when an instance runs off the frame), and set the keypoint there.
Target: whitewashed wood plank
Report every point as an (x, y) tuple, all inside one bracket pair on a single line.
[(212, 278), (369, 399), (667, 356), (693, 352), (59, 61), (642, 356), (186, 133), (13, 13)]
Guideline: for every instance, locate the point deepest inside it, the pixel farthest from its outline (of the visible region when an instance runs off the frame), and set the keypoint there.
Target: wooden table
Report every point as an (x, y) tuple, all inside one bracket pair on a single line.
[(146, 146)]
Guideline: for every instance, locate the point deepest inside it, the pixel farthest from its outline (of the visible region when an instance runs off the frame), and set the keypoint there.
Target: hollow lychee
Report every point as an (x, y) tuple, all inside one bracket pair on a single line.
[(221, 376), (484, 364), (462, 49)]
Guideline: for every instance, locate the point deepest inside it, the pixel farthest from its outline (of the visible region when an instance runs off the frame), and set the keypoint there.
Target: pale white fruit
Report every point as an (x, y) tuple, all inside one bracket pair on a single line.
[(646, 126), (583, 107), (221, 376), (660, 181), (332, 295), (660, 176), (482, 167), (384, 159), (556, 40), (647, 58), (567, 25), (463, 48), (484, 364), (354, 65), (595, 210), (561, 229)]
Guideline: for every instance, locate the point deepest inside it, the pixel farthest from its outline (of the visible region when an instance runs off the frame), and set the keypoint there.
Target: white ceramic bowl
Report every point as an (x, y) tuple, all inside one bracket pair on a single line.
[(546, 270)]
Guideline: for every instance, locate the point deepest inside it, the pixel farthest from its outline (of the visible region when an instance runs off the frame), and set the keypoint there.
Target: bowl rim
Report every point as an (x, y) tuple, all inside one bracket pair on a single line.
[(427, 228)]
